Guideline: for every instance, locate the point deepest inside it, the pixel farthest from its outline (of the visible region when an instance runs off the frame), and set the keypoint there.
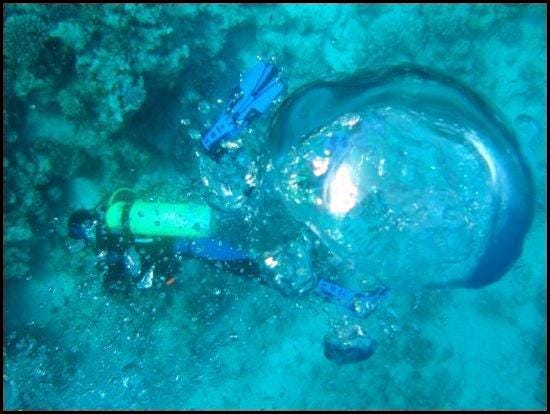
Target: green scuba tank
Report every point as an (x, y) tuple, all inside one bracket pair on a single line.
[(146, 218)]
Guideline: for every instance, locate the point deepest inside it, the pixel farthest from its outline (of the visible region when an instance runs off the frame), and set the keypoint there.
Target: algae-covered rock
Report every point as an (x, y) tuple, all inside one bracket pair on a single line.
[(24, 34), (84, 193), (348, 344)]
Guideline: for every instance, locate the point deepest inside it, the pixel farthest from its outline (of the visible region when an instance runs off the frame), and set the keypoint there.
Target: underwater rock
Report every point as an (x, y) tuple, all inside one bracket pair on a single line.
[(83, 193), (72, 33), (57, 62), (24, 35), (348, 344), (407, 172)]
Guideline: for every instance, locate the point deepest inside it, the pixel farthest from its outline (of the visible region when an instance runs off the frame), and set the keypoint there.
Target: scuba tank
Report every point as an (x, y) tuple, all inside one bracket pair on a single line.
[(191, 227), (189, 220)]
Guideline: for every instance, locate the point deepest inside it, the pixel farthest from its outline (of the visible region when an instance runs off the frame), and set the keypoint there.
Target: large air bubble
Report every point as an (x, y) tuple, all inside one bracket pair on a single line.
[(407, 173)]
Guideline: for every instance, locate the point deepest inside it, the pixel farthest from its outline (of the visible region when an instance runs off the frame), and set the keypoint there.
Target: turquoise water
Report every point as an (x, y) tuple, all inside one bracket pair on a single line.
[(103, 97)]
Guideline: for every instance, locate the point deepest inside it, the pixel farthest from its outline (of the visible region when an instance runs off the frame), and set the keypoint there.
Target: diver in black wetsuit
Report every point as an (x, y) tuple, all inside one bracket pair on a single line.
[(123, 256)]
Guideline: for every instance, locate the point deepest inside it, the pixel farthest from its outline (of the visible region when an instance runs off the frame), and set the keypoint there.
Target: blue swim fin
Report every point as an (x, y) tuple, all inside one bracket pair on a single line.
[(362, 304), (259, 87)]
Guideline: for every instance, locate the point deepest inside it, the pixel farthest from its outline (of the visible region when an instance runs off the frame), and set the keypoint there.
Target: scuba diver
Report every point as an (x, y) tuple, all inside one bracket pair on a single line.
[(137, 239)]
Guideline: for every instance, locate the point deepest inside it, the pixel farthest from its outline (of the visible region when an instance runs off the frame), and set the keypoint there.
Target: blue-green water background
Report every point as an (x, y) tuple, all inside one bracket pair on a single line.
[(101, 97)]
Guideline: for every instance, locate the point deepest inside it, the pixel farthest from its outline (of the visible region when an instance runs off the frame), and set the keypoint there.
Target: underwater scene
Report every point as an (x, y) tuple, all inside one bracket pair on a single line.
[(286, 206)]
